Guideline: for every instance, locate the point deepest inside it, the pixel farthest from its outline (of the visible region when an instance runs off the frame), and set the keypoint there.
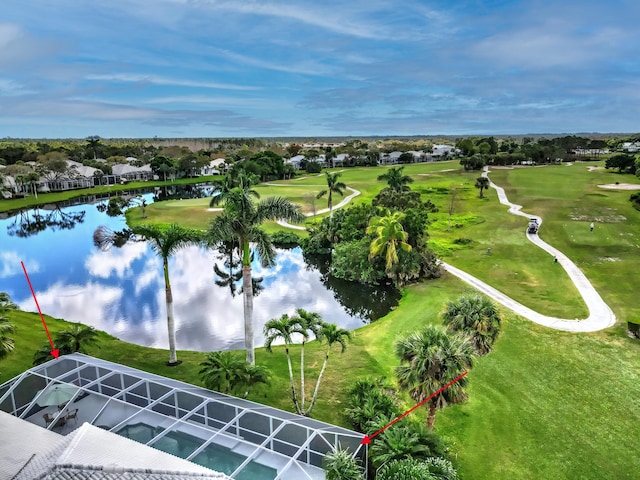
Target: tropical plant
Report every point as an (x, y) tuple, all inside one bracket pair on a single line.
[(396, 442), (227, 372), (165, 241), (370, 400), (333, 186), (330, 334), (340, 464), (6, 343), (390, 236), (284, 328), (430, 359), (77, 337), (481, 184), (396, 180), (405, 469), (309, 323), (476, 316), (240, 221), (6, 327)]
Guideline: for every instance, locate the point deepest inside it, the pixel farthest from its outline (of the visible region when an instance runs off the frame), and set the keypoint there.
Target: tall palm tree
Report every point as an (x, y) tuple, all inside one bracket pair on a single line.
[(284, 328), (476, 316), (390, 237), (430, 359), (6, 327), (331, 334), (396, 180), (310, 322), (481, 184), (165, 241), (240, 221), (77, 337), (333, 186)]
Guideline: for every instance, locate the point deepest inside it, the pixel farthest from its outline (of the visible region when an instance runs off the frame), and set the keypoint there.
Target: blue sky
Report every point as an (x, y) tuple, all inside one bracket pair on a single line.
[(215, 68)]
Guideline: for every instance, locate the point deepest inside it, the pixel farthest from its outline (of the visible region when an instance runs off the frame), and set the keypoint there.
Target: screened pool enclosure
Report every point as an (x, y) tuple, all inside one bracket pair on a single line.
[(242, 439)]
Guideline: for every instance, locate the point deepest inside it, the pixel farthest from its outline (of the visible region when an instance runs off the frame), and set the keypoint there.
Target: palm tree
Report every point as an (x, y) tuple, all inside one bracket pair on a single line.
[(478, 317), (165, 241), (6, 327), (77, 337), (310, 322), (433, 358), (396, 180), (390, 237), (481, 184), (240, 221), (228, 373), (333, 186), (6, 343), (220, 371), (331, 334), (284, 328)]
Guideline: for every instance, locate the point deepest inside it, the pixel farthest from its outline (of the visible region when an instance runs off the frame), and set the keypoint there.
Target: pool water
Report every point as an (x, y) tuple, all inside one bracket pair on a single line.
[(214, 456)]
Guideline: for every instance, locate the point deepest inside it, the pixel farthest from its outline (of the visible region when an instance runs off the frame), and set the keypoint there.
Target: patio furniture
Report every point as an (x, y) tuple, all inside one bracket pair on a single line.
[(49, 420), (72, 414)]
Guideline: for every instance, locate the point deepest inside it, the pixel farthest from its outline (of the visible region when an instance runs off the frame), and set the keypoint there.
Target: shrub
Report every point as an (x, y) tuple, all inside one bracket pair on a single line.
[(406, 469), (285, 239), (634, 329), (340, 465)]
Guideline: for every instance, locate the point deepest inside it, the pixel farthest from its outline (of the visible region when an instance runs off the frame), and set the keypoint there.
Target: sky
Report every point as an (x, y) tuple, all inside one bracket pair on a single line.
[(253, 68)]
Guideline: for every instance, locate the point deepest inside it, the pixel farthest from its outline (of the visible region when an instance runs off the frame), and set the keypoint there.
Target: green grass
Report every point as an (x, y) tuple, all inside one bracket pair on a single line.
[(544, 403), (44, 198)]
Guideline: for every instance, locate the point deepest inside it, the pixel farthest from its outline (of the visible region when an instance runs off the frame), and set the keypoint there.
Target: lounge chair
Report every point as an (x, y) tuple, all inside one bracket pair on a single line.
[(48, 419), (72, 414)]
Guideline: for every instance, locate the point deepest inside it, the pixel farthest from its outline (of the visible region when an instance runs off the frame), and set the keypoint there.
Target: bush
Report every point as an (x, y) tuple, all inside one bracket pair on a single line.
[(340, 465), (407, 469), (285, 239), (634, 329), (414, 469), (462, 241)]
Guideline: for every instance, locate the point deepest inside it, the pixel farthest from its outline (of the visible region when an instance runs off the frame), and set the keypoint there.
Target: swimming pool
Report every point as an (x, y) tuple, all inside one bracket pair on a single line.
[(213, 456)]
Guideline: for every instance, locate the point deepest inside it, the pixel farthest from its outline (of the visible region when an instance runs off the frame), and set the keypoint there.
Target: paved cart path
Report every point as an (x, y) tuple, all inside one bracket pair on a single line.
[(600, 315)]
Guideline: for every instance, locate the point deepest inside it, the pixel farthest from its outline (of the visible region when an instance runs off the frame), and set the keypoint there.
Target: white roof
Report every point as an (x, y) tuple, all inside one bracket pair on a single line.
[(123, 168), (34, 452)]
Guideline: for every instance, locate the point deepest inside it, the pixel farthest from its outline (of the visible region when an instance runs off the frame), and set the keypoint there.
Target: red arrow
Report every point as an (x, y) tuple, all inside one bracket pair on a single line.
[(367, 439), (54, 351)]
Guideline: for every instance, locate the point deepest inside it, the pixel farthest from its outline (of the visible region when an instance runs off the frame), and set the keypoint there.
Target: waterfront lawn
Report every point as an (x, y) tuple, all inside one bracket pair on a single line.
[(544, 404), (45, 198)]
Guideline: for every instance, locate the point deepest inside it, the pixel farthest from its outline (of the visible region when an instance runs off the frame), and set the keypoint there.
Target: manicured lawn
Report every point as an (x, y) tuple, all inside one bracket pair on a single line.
[(43, 198), (544, 404)]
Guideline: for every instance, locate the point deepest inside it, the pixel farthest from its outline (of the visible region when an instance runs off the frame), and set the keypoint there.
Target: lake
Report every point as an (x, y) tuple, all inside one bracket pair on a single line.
[(121, 291)]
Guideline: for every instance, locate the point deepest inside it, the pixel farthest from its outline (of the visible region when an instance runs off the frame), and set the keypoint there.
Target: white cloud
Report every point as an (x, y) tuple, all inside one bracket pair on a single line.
[(160, 80), (117, 260), (10, 264)]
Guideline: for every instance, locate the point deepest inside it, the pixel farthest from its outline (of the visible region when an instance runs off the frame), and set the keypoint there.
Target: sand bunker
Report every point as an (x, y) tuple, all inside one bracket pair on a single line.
[(621, 186)]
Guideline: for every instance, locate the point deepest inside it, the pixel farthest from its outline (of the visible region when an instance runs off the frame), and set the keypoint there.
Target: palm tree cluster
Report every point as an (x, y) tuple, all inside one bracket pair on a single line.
[(227, 372), (304, 325), (373, 405), (477, 317), (6, 327), (76, 338)]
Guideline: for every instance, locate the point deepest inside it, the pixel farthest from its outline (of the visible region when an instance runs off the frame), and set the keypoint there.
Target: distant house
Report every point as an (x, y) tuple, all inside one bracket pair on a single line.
[(631, 147), (443, 150), (127, 172), (338, 160), (295, 161), (390, 158), (215, 167)]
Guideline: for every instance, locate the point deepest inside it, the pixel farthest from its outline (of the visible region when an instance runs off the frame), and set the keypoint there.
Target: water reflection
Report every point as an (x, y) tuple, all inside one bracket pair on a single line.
[(122, 291), (30, 222)]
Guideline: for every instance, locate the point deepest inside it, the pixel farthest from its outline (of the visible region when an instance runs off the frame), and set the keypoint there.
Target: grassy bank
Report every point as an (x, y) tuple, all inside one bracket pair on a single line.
[(544, 404), (45, 198)]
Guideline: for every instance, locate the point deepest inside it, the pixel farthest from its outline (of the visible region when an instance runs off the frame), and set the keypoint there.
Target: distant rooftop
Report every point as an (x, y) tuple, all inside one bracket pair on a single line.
[(242, 439)]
